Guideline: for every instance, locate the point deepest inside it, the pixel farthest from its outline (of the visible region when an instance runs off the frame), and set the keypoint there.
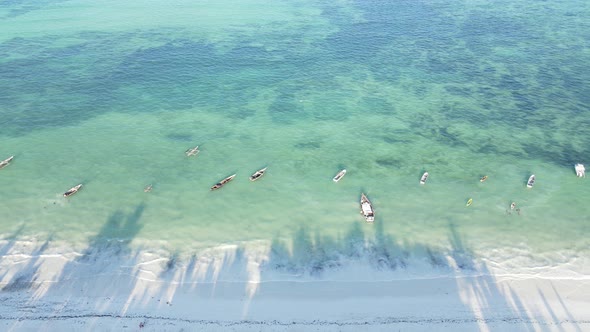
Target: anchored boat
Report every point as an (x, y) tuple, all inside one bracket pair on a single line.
[(367, 209), (192, 152), (424, 178), (258, 174), (223, 182), (531, 182), (6, 161), (580, 170), (73, 190), (339, 176)]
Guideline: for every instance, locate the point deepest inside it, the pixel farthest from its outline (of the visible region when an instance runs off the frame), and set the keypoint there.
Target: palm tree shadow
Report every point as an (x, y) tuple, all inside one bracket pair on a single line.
[(108, 254), (460, 253), (12, 238), (116, 234), (27, 275)]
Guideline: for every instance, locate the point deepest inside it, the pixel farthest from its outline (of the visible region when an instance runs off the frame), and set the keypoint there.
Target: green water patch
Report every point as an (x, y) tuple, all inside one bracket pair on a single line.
[(286, 108), (396, 91), (14, 8), (64, 78)]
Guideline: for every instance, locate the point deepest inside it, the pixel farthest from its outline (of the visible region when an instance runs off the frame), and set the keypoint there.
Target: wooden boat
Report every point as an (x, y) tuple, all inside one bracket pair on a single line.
[(258, 174), (531, 182), (483, 178), (72, 190), (367, 209), (580, 170), (512, 206), (339, 176), (148, 188), (424, 178), (469, 202), (192, 152), (6, 161), (223, 182)]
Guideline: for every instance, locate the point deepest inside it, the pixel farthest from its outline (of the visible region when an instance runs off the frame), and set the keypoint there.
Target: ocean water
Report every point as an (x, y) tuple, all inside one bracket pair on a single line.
[(111, 94)]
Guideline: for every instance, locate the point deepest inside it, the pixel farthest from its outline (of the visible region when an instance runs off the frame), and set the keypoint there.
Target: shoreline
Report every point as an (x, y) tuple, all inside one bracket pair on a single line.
[(411, 305), (115, 288)]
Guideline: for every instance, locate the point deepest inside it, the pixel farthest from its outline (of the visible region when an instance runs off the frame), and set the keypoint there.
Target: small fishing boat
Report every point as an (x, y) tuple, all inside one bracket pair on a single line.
[(483, 178), (531, 182), (367, 209), (72, 190), (512, 206), (192, 152), (424, 178), (6, 161), (258, 174), (339, 176), (580, 171), (223, 182), (469, 202), (148, 188)]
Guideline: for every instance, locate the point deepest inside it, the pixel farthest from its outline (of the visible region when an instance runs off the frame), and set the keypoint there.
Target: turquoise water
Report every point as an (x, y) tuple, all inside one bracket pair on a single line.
[(112, 94)]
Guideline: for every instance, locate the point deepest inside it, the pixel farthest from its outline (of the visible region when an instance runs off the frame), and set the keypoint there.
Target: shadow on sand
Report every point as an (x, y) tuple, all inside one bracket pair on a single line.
[(130, 282)]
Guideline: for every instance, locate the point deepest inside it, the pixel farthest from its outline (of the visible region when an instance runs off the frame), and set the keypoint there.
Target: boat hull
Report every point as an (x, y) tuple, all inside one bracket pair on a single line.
[(258, 174), (367, 209), (531, 182), (580, 170), (72, 191), (193, 151), (6, 162), (223, 182), (424, 178), (339, 176)]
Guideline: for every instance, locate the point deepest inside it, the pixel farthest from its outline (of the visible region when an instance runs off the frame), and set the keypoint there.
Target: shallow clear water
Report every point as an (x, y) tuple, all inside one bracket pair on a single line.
[(111, 95)]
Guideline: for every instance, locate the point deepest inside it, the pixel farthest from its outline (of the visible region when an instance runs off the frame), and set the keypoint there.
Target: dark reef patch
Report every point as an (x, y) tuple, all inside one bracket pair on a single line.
[(241, 113), (392, 139), (459, 91), (308, 145), (389, 162), (377, 106), (285, 108), (180, 137)]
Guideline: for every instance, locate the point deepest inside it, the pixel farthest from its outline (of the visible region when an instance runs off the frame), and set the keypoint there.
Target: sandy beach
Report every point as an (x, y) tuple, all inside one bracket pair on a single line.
[(111, 95), (237, 290)]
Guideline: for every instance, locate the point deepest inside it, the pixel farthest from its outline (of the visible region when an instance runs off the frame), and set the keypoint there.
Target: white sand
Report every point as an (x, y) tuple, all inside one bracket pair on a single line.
[(116, 289)]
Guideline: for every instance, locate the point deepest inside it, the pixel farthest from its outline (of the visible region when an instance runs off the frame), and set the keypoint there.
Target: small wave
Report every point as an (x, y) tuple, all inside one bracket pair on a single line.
[(266, 261)]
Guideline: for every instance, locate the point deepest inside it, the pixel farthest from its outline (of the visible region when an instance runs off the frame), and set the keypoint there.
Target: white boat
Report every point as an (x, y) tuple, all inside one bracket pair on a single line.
[(192, 152), (223, 182), (148, 188), (73, 190), (580, 171), (531, 182), (424, 178), (258, 174), (367, 209), (6, 161), (339, 176)]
